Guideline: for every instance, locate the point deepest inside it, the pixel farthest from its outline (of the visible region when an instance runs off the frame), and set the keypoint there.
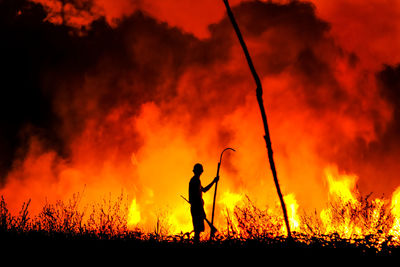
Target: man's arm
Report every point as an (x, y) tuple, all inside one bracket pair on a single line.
[(205, 189)]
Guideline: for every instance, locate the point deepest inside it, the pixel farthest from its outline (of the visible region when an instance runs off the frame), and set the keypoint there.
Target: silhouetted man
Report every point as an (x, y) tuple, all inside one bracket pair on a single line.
[(197, 203)]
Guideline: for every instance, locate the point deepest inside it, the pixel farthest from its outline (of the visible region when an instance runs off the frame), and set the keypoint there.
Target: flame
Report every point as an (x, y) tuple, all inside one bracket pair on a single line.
[(395, 209), (134, 214), (351, 216), (229, 200), (292, 206), (341, 186)]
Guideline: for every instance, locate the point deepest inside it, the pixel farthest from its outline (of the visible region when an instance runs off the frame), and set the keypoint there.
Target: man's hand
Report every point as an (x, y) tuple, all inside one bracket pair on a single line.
[(216, 179)]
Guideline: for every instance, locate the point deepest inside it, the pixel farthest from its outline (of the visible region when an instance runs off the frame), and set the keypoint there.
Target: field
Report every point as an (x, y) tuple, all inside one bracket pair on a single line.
[(63, 227)]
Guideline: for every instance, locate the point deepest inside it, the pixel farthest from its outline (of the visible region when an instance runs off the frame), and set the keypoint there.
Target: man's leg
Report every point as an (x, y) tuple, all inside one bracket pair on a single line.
[(196, 237)]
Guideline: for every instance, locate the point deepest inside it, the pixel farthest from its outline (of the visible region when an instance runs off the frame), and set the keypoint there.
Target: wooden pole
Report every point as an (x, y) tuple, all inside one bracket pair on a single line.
[(215, 190), (215, 195), (259, 93)]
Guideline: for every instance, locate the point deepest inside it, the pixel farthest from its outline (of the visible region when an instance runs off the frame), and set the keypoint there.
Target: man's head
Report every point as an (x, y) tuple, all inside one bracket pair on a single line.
[(198, 169)]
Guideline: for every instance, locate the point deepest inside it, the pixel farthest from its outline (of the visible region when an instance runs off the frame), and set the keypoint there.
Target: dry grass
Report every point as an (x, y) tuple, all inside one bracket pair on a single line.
[(104, 220), (247, 226)]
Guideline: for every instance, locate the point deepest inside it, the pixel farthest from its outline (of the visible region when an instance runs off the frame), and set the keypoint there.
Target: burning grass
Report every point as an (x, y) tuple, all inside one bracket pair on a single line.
[(364, 227)]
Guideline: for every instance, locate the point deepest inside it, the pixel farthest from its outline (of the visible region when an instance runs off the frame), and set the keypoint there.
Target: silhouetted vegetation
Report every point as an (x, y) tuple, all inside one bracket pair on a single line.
[(248, 227)]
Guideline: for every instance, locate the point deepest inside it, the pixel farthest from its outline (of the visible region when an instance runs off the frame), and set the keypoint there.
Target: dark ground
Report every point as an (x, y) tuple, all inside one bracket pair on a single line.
[(64, 245)]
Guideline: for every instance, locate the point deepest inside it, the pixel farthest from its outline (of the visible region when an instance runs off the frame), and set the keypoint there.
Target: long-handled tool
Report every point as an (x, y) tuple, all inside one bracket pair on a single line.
[(216, 186)]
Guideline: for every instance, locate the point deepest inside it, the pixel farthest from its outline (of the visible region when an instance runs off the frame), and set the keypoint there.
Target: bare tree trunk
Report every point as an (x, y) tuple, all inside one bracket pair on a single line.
[(259, 92), (62, 12)]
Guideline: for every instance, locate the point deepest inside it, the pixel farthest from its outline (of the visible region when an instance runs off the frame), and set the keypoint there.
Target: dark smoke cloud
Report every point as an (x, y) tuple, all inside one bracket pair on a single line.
[(389, 82), (56, 79), (23, 55), (297, 42), (378, 160)]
